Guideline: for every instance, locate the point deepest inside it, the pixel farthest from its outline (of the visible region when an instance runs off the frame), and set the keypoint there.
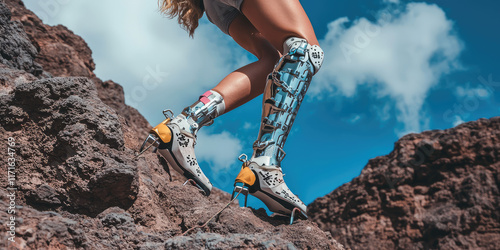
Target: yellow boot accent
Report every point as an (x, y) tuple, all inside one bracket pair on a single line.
[(162, 131), (246, 176)]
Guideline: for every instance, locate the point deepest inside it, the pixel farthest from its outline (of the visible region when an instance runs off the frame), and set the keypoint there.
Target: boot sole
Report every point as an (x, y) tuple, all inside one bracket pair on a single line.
[(273, 203)]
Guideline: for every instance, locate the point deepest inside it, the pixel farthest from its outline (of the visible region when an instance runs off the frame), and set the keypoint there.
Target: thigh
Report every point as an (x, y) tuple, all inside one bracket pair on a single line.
[(278, 20), (248, 37)]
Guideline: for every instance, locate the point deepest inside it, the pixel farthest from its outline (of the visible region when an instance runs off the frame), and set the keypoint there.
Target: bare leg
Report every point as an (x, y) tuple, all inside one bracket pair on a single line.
[(249, 81), (262, 31), (278, 20)]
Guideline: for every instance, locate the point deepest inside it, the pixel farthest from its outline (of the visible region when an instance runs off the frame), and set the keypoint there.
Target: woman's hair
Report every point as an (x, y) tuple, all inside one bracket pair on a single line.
[(188, 12)]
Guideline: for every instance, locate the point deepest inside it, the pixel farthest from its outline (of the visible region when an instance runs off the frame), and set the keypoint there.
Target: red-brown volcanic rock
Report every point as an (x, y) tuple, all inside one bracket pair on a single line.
[(437, 189)]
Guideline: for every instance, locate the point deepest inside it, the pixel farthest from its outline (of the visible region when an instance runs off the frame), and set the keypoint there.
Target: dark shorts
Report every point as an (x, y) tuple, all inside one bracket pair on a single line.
[(222, 12)]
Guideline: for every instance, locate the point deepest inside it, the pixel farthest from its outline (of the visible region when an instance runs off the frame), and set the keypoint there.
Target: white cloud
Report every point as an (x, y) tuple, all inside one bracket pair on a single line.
[(467, 91), (401, 55), (384, 112), (221, 151), (355, 118), (250, 126), (247, 125)]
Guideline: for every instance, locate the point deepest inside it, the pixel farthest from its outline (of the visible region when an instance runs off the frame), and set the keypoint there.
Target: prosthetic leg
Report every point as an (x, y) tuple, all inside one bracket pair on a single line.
[(175, 138), (286, 87)]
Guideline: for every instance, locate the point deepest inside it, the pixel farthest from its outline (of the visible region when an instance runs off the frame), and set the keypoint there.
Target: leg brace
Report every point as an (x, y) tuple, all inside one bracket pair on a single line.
[(284, 92), (203, 112)]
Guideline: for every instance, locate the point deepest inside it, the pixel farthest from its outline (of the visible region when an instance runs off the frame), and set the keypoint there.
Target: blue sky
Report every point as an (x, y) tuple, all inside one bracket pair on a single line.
[(391, 67)]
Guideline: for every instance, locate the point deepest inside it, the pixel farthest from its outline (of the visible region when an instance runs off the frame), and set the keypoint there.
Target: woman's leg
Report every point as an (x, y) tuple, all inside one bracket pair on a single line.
[(175, 139), (262, 31), (278, 20), (249, 81)]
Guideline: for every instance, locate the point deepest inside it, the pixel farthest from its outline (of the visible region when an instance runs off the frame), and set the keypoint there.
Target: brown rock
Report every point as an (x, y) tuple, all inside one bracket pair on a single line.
[(60, 51), (437, 189), (16, 50)]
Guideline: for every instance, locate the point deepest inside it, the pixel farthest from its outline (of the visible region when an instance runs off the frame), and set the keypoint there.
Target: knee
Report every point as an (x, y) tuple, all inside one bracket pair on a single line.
[(314, 53), (316, 56)]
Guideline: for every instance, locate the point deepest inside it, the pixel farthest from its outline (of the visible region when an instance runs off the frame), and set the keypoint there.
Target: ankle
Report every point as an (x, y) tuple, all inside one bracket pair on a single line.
[(185, 124), (202, 113)]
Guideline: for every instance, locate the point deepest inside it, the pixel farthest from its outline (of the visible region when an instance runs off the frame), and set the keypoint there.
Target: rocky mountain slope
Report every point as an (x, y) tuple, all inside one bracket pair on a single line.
[(435, 190), (78, 183)]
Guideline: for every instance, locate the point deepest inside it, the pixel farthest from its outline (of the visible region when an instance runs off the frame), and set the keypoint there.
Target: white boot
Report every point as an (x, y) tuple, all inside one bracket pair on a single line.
[(179, 153), (267, 184), (175, 138)]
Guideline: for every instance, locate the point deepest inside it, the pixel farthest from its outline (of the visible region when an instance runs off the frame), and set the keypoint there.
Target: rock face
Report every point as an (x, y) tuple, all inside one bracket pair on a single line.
[(61, 52), (78, 182), (15, 48), (437, 189)]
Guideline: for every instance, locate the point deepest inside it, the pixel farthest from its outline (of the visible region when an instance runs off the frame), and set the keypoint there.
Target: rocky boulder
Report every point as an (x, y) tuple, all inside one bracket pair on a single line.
[(438, 189)]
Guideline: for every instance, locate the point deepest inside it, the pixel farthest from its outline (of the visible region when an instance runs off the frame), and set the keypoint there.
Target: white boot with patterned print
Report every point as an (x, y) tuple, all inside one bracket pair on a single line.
[(175, 138), (179, 153), (266, 182)]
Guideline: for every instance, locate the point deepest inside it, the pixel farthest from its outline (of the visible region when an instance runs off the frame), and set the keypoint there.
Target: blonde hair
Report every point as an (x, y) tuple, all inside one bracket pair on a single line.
[(188, 12)]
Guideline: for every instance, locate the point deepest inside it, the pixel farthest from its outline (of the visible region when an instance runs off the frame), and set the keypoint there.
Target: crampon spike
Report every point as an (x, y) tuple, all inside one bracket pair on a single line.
[(189, 181), (241, 189), (293, 214), (192, 182), (152, 140), (215, 215)]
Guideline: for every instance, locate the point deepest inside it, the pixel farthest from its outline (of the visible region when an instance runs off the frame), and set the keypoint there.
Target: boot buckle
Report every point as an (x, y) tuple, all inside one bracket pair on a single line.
[(168, 114), (243, 158)]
